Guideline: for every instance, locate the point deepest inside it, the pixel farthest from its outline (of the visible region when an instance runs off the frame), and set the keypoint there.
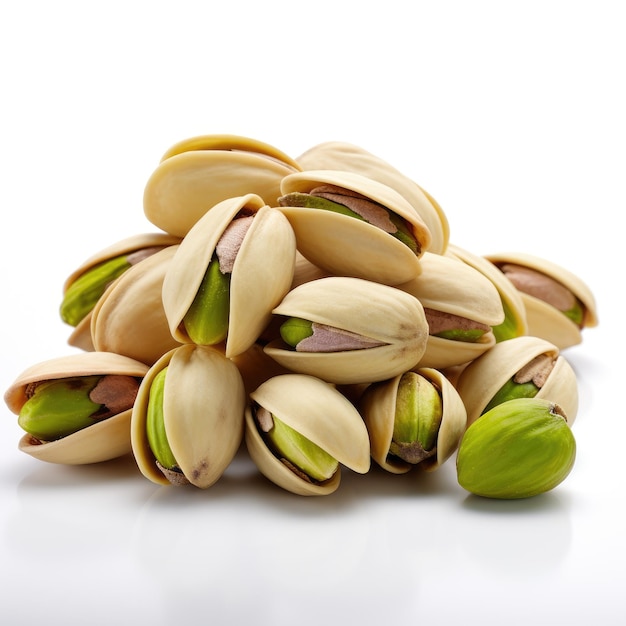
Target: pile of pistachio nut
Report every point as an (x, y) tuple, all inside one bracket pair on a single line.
[(313, 312)]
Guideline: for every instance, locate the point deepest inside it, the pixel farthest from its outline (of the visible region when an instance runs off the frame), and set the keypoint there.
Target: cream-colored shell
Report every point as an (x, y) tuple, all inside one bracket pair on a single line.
[(105, 440), (320, 413), (447, 284), (80, 337), (198, 173), (485, 376), (129, 317), (346, 246), (370, 309), (203, 406), (378, 408), (336, 155), (509, 295), (543, 319), (262, 273)]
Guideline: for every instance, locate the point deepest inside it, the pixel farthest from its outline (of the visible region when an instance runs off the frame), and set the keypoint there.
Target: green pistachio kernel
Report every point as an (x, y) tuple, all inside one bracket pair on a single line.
[(511, 390), (417, 419), (155, 426), (576, 313), (508, 328), (206, 321), (469, 335), (81, 296), (59, 408), (294, 330)]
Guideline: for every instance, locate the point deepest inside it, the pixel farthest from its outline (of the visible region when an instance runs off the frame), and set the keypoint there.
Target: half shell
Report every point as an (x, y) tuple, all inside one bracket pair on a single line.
[(105, 440)]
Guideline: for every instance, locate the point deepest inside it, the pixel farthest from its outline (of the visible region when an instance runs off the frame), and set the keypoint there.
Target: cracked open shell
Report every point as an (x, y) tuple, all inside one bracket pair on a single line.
[(105, 439), (514, 324), (449, 287), (129, 251), (197, 173), (203, 412), (378, 408), (337, 155), (379, 313), (261, 275), (545, 320), (129, 318), (483, 378), (347, 246), (320, 413)]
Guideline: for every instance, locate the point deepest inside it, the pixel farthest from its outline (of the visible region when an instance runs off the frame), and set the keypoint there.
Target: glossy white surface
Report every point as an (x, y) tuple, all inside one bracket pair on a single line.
[(513, 118)]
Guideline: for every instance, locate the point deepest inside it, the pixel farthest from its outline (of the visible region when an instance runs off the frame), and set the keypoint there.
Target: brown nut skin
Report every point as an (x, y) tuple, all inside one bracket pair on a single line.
[(378, 408), (319, 412), (483, 378), (105, 440), (203, 408)]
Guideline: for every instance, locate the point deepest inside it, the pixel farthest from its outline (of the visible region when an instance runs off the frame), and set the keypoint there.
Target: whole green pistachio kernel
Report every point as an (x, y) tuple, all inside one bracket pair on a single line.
[(155, 426), (294, 330), (511, 390), (206, 321), (518, 449), (508, 328), (576, 313), (469, 335), (417, 419), (301, 452), (81, 296), (308, 201), (58, 408)]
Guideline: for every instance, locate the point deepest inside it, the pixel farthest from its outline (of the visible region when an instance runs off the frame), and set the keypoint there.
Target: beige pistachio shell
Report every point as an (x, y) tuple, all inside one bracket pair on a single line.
[(305, 271), (198, 173), (544, 320), (378, 408), (255, 367), (447, 284), (203, 406), (336, 155), (129, 318), (80, 337), (484, 377), (373, 310), (262, 273), (103, 441), (320, 413), (509, 295), (346, 246)]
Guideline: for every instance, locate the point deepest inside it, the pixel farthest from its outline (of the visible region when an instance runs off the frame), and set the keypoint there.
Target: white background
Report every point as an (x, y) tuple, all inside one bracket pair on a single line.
[(510, 114)]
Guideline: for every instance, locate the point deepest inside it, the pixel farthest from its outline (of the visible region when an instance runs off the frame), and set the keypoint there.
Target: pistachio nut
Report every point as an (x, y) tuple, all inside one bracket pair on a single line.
[(518, 449), (187, 422), (300, 430), (415, 418), (360, 331), (129, 318), (523, 366), (233, 267), (76, 409), (461, 306), (351, 225), (559, 305), (197, 173), (336, 155), (86, 284), (514, 324)]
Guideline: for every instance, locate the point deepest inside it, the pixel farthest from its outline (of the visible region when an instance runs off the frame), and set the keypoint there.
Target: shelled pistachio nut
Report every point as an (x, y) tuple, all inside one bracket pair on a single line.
[(524, 366), (187, 423), (461, 306), (518, 449), (514, 324), (86, 284), (559, 305), (349, 330), (197, 173), (337, 155), (351, 225), (299, 432), (129, 318), (76, 408), (415, 418), (233, 267)]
